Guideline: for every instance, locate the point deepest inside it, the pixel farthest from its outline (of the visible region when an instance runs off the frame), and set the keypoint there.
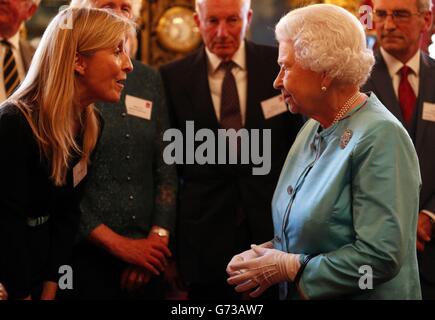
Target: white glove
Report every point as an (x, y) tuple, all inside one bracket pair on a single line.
[(244, 256), (271, 266), (3, 293)]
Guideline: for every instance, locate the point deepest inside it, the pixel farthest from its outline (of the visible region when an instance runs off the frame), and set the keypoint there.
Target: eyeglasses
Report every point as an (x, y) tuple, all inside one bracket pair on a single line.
[(398, 16)]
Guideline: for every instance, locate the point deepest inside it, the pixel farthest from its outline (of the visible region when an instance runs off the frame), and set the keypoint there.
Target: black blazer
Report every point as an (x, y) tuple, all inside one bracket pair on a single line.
[(216, 199), (30, 255), (422, 133)]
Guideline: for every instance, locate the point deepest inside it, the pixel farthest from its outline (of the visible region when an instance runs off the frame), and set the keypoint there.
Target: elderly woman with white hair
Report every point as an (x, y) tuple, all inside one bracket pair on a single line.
[(346, 204)]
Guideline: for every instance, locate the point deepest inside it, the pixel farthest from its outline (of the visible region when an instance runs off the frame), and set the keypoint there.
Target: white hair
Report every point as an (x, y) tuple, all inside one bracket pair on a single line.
[(247, 4), (327, 38), (136, 5)]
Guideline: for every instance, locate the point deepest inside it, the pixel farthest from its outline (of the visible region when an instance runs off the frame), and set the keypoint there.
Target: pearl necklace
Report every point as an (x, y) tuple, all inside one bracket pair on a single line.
[(346, 106)]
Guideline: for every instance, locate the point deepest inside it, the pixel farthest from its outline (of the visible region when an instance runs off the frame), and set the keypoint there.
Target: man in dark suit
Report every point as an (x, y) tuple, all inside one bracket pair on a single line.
[(404, 80), (226, 84), (15, 53)]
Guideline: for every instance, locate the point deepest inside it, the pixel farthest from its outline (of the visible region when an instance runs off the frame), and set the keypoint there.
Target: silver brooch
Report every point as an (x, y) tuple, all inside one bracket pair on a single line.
[(345, 138)]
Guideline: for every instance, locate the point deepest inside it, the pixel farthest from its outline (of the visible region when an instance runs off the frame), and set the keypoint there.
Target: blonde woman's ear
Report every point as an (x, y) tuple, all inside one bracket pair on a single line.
[(79, 64)]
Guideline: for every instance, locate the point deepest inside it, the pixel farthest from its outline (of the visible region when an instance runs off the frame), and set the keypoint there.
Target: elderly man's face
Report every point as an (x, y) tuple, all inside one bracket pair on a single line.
[(223, 25), (401, 37), (12, 14), (121, 7)]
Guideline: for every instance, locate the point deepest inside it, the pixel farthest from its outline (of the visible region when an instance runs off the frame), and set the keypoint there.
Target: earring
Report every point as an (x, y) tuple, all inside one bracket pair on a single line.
[(324, 89)]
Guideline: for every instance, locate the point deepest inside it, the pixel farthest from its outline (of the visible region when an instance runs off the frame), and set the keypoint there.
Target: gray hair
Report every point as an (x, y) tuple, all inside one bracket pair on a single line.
[(422, 5), (247, 4), (327, 38), (136, 5)]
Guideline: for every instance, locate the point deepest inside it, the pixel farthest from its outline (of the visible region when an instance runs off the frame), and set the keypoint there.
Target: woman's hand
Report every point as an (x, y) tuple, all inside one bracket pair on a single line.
[(271, 266), (3, 293), (49, 289), (134, 278), (148, 253)]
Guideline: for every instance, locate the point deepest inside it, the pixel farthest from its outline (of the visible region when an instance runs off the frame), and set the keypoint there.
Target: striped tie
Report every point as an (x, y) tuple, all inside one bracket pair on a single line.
[(10, 71)]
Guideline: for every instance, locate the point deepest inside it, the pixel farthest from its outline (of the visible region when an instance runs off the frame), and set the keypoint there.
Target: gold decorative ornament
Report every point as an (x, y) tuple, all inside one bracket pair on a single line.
[(177, 31)]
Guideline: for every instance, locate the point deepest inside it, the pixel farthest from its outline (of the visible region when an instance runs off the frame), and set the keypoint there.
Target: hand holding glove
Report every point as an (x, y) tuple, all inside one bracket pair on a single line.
[(269, 267)]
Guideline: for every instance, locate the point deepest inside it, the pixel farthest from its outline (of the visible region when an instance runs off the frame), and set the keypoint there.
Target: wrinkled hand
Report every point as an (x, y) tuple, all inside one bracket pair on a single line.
[(134, 278), (424, 231), (244, 256), (148, 253), (3, 293), (270, 267)]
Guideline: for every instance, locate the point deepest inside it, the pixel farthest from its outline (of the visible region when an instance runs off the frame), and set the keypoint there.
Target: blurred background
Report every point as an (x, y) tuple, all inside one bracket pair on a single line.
[(166, 30)]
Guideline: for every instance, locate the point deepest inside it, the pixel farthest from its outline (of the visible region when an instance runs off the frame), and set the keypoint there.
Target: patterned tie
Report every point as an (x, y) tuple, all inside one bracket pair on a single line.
[(10, 72), (406, 95), (230, 106)]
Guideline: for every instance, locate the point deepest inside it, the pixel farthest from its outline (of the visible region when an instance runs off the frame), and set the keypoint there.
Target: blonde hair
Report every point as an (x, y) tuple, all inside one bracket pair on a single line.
[(48, 92)]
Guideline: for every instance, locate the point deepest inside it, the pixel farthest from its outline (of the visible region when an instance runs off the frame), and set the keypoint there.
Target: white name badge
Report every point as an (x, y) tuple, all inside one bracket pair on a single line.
[(138, 107), (79, 172), (429, 111), (273, 106)]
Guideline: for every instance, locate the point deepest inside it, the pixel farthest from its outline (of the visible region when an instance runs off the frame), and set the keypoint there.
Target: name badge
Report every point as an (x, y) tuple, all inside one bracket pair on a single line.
[(138, 107), (273, 106), (79, 172), (429, 111)]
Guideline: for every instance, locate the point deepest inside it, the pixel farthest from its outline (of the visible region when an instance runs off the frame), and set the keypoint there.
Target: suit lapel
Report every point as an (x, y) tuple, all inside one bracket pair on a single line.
[(427, 80), (198, 90), (383, 85), (254, 115)]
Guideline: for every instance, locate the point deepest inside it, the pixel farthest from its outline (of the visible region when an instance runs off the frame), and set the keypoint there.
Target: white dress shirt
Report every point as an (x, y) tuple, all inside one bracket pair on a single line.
[(216, 77), (15, 42), (394, 67)]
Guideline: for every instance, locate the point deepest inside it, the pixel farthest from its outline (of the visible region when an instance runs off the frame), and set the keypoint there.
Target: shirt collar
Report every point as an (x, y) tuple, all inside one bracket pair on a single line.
[(239, 58), (14, 40), (395, 65)]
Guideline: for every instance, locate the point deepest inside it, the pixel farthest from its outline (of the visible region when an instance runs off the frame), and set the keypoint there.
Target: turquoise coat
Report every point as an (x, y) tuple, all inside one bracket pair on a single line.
[(349, 195)]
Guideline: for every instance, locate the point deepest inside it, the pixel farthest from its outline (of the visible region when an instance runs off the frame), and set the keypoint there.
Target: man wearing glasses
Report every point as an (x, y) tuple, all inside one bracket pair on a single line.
[(404, 80)]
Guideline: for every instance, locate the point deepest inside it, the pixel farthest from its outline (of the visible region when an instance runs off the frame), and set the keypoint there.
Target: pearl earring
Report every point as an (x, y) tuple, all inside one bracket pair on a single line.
[(323, 88)]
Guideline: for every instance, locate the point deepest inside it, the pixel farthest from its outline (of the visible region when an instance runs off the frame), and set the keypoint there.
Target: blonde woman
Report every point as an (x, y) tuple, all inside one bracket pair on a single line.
[(48, 131)]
